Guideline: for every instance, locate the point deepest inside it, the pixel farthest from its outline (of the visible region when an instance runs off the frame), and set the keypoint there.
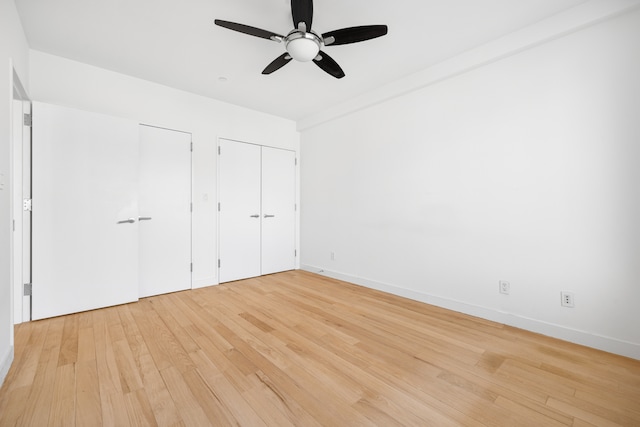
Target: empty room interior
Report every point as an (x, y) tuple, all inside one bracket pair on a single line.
[(320, 213)]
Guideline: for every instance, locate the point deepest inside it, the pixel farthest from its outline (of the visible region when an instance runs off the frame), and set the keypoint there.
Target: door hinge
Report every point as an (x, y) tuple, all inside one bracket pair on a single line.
[(27, 204), (219, 151), (27, 119), (295, 207), (191, 206), (296, 161), (192, 267), (295, 252), (218, 207), (28, 287), (192, 146), (218, 263)]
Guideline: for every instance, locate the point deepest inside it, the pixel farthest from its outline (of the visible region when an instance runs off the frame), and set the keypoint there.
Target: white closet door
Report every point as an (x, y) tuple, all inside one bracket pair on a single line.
[(164, 211), (278, 210), (239, 215), (85, 174)]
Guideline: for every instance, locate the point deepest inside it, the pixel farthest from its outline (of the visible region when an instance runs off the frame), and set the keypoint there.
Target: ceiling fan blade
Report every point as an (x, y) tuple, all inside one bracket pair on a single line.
[(354, 34), (327, 63), (252, 31), (302, 11), (278, 63)]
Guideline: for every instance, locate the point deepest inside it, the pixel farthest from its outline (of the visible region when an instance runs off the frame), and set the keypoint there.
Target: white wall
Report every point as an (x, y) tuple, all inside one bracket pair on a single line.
[(61, 81), (13, 54), (524, 170)]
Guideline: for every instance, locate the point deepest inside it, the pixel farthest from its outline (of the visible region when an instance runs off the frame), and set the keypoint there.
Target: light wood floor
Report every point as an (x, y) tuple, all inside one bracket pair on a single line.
[(300, 349)]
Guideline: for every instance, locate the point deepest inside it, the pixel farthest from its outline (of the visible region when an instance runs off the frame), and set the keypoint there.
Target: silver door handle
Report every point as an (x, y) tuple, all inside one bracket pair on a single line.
[(269, 216), (144, 218), (255, 216), (125, 221)]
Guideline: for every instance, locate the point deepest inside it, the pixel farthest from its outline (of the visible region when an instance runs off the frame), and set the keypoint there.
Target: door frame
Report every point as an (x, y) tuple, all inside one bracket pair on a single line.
[(21, 303)]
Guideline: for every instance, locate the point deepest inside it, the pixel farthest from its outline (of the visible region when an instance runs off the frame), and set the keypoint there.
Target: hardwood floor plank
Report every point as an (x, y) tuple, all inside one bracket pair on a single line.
[(271, 411), (69, 347), (63, 411), (353, 376), (225, 392), (314, 397), (163, 406), (12, 406), (190, 410), (114, 409), (139, 409), (588, 410), (88, 409), (537, 414), (372, 411), (174, 322), (38, 404), (432, 416), (26, 359), (130, 379), (582, 414), (86, 345), (22, 335), (625, 404), (166, 342), (140, 313), (298, 349), (209, 400)]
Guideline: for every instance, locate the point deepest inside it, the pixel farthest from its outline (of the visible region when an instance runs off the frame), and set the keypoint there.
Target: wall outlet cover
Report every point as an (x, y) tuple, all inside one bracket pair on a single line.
[(504, 287), (567, 299)]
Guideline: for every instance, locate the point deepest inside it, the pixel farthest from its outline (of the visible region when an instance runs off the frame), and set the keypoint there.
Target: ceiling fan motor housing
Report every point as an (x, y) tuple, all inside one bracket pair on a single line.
[(303, 46)]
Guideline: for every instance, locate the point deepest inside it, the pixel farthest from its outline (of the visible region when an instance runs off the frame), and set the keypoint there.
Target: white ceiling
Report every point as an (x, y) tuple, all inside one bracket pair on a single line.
[(175, 43)]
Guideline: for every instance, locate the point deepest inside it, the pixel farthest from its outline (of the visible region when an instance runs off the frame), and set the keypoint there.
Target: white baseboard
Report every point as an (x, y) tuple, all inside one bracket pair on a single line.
[(5, 364), (608, 344), (203, 283)]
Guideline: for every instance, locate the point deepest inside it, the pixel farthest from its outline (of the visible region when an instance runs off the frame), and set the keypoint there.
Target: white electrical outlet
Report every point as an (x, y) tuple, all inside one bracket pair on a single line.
[(333, 256), (505, 287), (567, 299)]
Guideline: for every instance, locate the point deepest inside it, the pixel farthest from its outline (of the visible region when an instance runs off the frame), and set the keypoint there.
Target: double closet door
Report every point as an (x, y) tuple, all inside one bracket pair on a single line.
[(111, 211), (257, 210)]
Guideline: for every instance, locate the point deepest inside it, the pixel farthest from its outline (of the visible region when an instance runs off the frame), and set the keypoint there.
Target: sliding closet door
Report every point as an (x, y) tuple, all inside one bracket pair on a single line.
[(85, 206), (239, 211), (164, 220), (278, 210)]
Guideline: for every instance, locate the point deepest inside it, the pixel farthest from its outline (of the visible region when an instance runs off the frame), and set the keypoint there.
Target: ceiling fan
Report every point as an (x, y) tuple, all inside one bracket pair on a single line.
[(303, 44)]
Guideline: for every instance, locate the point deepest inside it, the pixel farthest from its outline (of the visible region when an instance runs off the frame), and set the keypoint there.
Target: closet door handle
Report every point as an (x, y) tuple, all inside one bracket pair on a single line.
[(255, 216), (125, 221), (269, 216), (144, 218)]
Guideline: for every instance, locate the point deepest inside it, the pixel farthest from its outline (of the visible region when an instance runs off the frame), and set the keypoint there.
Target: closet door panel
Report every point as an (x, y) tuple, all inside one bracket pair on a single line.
[(278, 210), (239, 213), (164, 211)]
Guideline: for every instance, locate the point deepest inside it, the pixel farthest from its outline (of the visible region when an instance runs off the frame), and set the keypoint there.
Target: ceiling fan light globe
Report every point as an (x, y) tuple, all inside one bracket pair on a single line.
[(304, 47)]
